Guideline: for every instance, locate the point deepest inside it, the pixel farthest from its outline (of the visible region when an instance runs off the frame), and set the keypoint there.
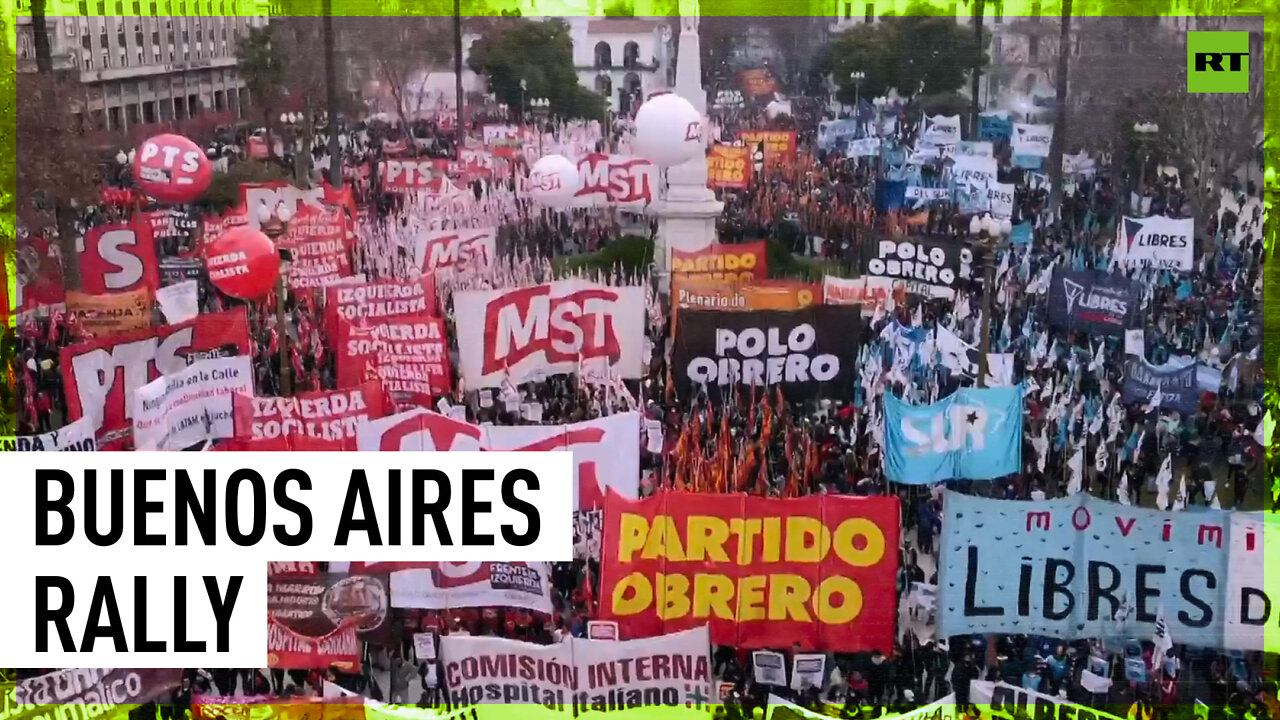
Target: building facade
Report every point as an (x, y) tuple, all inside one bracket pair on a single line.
[(622, 59), (139, 64)]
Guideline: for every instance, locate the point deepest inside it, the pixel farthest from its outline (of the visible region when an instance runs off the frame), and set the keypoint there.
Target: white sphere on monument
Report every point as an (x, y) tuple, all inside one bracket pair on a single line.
[(668, 131), (553, 181)]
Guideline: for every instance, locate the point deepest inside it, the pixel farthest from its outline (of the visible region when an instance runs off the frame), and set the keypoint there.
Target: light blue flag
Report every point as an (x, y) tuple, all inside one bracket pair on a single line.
[(1021, 235), (975, 434)]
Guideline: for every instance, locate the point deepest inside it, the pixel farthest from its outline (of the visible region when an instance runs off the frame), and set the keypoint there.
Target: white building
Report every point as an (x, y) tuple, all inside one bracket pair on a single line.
[(146, 67), (622, 59)]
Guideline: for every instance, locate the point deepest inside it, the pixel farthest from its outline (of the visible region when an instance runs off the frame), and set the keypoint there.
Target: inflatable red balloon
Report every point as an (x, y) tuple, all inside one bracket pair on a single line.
[(242, 263), (172, 169)]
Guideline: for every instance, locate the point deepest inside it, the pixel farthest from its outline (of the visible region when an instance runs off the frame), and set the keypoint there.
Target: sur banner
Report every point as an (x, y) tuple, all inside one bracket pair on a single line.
[(745, 262), (113, 314), (1093, 301), (606, 451), (579, 676), (809, 353), (190, 406), (1157, 242), (764, 572), (974, 434), (729, 166), (1088, 568), (563, 327), (331, 415), (101, 376)]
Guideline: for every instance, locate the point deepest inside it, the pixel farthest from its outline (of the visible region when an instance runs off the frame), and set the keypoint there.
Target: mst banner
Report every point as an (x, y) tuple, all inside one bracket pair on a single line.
[(1081, 567), (101, 376), (975, 434), (578, 675), (809, 353), (765, 573), (568, 326), (1095, 302), (931, 268)]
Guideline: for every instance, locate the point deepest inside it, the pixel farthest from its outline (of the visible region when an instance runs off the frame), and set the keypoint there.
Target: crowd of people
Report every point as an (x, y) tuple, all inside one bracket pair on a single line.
[(823, 204)]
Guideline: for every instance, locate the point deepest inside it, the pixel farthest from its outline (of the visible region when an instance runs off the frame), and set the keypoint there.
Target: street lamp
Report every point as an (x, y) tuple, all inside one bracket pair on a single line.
[(1145, 132), (989, 236), (857, 76), (541, 107), (274, 223)]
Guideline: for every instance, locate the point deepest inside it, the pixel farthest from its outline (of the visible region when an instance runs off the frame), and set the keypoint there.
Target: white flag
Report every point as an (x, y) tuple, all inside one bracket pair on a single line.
[(1122, 492), (179, 302), (1076, 467), (1163, 479)]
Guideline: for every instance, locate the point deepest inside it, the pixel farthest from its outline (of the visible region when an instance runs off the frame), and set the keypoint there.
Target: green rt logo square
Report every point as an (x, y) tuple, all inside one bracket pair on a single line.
[(1217, 62)]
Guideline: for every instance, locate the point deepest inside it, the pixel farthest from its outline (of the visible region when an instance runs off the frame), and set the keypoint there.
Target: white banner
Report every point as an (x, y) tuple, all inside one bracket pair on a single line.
[(1254, 584), (78, 435), (1007, 702), (459, 250), (1135, 342), (770, 668), (942, 130), (628, 183), (179, 302), (1000, 196), (1156, 242), (980, 171), (808, 670), (1032, 140), (447, 586), (917, 192), (578, 676), (568, 326), (865, 291), (424, 646), (179, 410), (863, 147)]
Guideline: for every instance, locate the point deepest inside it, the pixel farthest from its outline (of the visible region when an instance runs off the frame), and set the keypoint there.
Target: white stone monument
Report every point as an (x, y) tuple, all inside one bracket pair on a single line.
[(687, 217)]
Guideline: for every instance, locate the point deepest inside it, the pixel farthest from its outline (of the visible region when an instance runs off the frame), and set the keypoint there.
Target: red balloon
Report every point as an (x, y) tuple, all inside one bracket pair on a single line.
[(242, 263), (172, 169)]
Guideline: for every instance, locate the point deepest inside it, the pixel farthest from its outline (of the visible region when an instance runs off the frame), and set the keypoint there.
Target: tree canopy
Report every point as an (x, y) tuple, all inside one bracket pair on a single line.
[(541, 55), (915, 53)]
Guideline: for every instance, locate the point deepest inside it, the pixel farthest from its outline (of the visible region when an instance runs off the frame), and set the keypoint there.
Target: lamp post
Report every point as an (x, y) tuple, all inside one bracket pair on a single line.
[(857, 76), (274, 223), (524, 108), (989, 235), (541, 108), (1146, 133), (290, 122)]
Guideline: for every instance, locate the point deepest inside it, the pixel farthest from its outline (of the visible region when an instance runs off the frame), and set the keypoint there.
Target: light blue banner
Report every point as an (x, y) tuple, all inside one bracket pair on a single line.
[(975, 434), (1080, 567)]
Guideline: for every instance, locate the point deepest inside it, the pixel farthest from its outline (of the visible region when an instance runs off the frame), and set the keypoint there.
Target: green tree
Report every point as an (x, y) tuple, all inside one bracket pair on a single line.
[(539, 55), (260, 62), (914, 53)]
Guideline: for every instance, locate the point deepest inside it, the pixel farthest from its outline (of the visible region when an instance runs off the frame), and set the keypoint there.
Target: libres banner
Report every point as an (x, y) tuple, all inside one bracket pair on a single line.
[(764, 572), (1080, 567)]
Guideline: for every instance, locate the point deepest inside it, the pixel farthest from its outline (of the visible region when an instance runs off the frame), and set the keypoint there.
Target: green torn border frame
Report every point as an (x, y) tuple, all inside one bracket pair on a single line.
[(1268, 10)]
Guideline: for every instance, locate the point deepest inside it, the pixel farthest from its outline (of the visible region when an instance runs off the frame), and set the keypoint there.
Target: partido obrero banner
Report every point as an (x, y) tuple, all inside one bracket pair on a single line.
[(578, 676), (1094, 302), (765, 573), (933, 268), (808, 353), (746, 262), (1081, 567), (975, 434)]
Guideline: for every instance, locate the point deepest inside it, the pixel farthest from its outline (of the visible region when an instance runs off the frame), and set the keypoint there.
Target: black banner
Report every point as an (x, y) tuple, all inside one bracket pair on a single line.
[(1095, 302), (1178, 387), (316, 606), (932, 268), (106, 689), (810, 353), (174, 270)]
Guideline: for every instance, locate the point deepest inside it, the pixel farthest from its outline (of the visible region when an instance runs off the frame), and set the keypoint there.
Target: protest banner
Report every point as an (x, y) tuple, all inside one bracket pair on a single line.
[(379, 300), (1095, 302), (325, 414), (563, 327), (446, 586), (808, 670), (288, 650), (1254, 586), (808, 353), (729, 166), (757, 82), (75, 436), (1032, 140), (627, 183), (101, 376), (113, 314), (195, 404), (1000, 701), (318, 242), (708, 293), (769, 668), (1088, 568), (409, 354), (119, 258), (865, 291), (1156, 242), (111, 692), (933, 268), (744, 263), (779, 145), (318, 605), (1177, 388), (973, 434), (763, 572), (463, 250)]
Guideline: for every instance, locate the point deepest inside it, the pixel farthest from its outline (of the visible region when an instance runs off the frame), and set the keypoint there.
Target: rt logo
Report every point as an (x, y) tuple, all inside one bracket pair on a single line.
[(1217, 62)]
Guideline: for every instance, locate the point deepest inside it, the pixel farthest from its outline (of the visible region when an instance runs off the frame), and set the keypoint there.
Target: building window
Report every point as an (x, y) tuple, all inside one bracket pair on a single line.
[(102, 8), (631, 54), (186, 36), (88, 62), (995, 46), (999, 13), (871, 12), (1033, 47), (85, 42), (120, 41), (1035, 9), (848, 10), (106, 60), (124, 59), (139, 56), (604, 55), (83, 8), (119, 8), (155, 38), (154, 10)]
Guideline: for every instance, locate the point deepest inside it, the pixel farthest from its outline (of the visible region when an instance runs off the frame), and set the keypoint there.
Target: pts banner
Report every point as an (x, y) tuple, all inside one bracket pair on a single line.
[(765, 573)]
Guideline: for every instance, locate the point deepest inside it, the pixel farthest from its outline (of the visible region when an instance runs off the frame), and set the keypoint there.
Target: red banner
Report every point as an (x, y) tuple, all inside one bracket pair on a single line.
[(379, 300), (460, 250), (318, 238), (268, 707), (779, 145), (100, 376), (331, 415), (119, 258), (38, 265), (729, 166), (815, 571), (288, 650), (744, 263), (408, 353)]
